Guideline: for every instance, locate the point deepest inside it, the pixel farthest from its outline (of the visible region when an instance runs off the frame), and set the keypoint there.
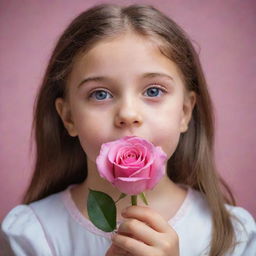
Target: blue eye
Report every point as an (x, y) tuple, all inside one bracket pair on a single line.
[(99, 95), (154, 91)]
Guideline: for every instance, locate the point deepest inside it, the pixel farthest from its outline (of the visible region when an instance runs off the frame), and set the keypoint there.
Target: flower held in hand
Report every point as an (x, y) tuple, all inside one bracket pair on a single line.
[(131, 164)]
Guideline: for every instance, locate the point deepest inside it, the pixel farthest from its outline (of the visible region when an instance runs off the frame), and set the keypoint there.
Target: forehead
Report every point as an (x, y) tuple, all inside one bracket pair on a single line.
[(124, 57)]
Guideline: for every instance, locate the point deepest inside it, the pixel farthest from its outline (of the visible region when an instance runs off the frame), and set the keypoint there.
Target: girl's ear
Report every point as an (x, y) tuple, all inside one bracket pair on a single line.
[(188, 106), (64, 112)]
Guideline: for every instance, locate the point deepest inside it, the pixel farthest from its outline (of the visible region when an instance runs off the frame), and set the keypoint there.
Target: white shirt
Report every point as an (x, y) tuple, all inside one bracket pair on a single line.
[(54, 226)]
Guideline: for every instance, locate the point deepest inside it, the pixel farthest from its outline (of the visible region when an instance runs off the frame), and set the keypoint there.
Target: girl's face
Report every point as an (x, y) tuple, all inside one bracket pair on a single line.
[(125, 86)]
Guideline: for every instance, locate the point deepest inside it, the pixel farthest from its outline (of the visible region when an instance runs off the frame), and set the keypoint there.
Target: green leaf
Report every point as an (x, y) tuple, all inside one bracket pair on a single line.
[(143, 197), (101, 210)]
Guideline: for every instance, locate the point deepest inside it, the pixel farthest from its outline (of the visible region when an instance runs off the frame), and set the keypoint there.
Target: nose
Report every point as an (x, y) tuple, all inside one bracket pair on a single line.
[(128, 115)]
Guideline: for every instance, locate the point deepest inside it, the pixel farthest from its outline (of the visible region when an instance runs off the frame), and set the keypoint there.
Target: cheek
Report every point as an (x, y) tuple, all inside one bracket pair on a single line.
[(167, 132), (91, 133), (168, 138)]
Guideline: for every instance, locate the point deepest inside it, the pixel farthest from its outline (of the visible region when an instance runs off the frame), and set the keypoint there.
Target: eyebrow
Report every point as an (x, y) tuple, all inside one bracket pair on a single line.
[(106, 79)]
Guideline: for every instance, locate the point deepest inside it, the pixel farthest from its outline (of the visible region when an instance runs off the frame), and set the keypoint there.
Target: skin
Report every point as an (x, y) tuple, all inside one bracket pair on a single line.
[(128, 107)]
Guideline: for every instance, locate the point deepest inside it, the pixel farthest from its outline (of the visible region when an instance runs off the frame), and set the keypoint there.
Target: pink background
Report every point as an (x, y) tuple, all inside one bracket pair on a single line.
[(226, 34)]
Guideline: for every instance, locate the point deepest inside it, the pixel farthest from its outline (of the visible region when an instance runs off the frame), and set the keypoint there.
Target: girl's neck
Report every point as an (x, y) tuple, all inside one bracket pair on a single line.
[(171, 195)]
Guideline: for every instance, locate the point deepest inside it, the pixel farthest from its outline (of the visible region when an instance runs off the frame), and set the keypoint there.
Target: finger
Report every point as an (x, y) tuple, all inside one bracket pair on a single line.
[(133, 246), (139, 230), (148, 216), (116, 251)]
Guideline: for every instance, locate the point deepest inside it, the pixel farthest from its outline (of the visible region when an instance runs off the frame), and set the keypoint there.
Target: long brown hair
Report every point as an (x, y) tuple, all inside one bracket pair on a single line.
[(60, 160)]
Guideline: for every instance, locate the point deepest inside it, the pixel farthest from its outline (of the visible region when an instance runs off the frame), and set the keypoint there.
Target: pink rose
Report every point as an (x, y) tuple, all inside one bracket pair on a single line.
[(131, 164)]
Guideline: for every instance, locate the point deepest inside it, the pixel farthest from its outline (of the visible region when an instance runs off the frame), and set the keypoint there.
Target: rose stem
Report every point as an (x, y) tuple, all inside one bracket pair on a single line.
[(120, 197), (134, 200)]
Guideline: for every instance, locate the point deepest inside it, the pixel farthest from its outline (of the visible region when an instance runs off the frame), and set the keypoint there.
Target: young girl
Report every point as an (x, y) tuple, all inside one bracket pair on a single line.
[(119, 71)]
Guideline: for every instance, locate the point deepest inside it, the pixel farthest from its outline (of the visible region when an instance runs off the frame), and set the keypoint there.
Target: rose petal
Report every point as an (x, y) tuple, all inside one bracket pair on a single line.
[(124, 171), (143, 172), (131, 186), (135, 151), (105, 168), (157, 168), (129, 157), (114, 148)]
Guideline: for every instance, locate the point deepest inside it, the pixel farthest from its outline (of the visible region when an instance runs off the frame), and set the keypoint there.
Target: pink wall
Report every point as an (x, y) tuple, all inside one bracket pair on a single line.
[(225, 31)]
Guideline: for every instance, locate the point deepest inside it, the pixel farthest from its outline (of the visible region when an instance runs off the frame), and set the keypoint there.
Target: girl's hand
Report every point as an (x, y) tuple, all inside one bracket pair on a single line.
[(144, 233)]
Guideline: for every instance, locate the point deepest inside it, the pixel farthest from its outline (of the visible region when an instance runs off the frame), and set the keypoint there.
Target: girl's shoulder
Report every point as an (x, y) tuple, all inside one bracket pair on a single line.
[(200, 217), (245, 229), (18, 230), (238, 214), (23, 223), (241, 214), (243, 222)]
